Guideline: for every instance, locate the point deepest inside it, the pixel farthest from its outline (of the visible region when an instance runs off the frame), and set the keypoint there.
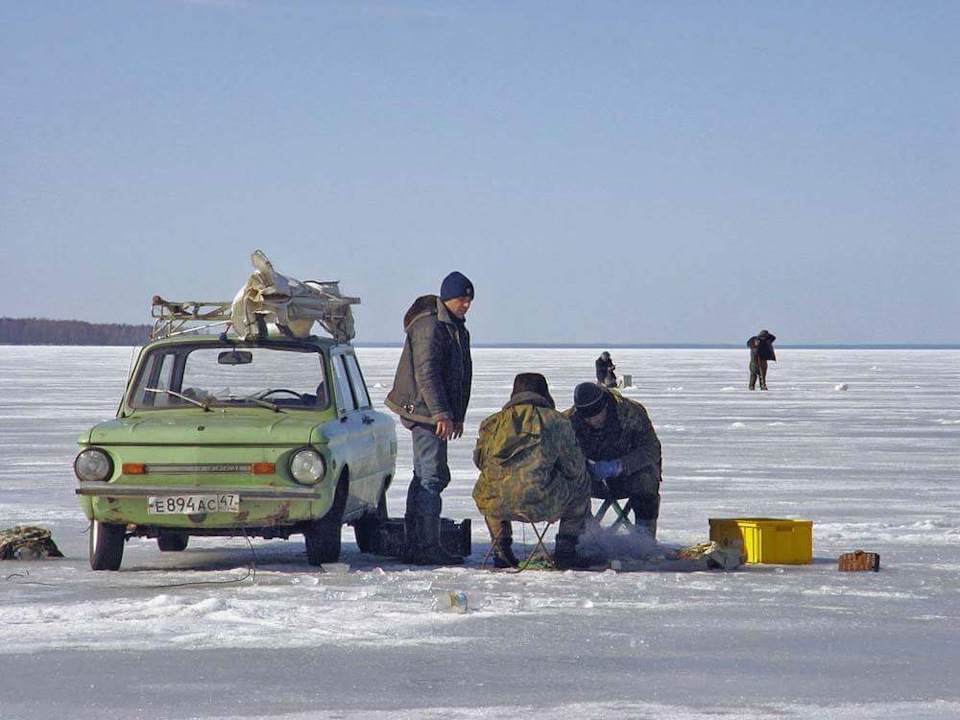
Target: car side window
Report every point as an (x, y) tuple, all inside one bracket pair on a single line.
[(356, 380), (345, 399), (158, 375)]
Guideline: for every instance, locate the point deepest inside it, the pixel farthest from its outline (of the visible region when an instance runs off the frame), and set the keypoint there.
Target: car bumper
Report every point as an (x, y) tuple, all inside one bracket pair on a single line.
[(143, 491), (259, 507)]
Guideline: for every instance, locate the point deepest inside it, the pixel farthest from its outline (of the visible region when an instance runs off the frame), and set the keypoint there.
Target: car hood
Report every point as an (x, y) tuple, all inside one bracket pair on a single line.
[(234, 428)]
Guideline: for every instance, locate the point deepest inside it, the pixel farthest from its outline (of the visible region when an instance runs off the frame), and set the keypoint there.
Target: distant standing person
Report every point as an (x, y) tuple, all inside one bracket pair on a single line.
[(761, 352), (430, 393), (605, 368)]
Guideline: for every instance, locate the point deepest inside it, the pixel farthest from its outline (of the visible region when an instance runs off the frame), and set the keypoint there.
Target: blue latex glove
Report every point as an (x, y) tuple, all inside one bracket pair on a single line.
[(603, 469)]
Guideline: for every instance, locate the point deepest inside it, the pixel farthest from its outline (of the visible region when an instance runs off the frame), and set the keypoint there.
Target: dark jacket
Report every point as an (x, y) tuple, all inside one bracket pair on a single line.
[(761, 346), (435, 371), (605, 368), (627, 436)]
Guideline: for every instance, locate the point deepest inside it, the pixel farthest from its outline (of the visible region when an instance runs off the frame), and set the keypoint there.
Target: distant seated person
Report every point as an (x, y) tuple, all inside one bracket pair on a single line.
[(605, 368), (531, 469), (622, 450)]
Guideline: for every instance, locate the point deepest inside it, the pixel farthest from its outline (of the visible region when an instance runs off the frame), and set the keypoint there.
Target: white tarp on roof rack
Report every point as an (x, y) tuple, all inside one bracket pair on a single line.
[(293, 306), (267, 297)]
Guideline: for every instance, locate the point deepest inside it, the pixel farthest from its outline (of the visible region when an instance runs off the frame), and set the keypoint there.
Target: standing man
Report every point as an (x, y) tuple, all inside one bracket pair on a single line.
[(605, 368), (430, 393), (622, 449), (761, 351)]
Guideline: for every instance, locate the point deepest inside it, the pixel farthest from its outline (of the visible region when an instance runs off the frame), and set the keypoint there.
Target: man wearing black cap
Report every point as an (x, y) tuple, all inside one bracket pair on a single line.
[(430, 393), (531, 469), (621, 447)]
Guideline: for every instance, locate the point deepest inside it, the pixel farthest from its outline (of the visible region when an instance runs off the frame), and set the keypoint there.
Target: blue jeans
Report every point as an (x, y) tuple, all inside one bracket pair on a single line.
[(431, 474)]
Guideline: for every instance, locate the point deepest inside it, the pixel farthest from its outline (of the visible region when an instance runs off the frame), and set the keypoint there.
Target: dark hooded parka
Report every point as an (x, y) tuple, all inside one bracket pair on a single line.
[(435, 371)]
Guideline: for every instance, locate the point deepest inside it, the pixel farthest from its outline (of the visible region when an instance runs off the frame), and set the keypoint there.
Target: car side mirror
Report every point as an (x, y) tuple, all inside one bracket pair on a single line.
[(235, 357)]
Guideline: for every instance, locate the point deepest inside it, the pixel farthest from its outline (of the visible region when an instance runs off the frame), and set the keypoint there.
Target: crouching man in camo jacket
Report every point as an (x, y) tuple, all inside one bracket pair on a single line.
[(532, 470)]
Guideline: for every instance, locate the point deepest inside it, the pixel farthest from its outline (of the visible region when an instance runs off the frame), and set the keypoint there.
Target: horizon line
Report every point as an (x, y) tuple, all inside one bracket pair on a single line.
[(592, 344), (689, 346)]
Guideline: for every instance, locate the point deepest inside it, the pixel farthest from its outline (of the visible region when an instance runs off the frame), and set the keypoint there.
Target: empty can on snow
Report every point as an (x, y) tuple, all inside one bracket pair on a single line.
[(458, 602)]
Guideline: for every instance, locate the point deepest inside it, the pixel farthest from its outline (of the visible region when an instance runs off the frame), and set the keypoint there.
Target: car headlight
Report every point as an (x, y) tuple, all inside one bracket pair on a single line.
[(93, 465), (307, 466)]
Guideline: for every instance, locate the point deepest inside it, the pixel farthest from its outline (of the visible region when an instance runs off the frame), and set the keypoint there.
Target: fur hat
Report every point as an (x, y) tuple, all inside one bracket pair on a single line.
[(589, 399), (456, 285), (533, 383)]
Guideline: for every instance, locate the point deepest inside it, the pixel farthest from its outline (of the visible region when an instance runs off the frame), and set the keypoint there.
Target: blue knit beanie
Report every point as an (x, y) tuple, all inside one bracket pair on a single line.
[(456, 285)]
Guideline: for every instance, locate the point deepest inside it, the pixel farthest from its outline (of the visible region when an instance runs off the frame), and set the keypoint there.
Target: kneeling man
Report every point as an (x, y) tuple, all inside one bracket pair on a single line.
[(531, 469)]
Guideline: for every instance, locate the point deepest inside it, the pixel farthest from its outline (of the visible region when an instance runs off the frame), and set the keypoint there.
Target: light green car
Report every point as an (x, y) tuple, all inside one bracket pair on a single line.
[(216, 435)]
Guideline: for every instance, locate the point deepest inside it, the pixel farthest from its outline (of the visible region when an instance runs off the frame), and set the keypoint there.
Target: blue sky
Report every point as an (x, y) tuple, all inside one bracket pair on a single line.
[(609, 172)]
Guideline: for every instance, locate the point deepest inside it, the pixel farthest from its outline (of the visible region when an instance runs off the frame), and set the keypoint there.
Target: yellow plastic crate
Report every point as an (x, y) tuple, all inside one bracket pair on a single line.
[(772, 541)]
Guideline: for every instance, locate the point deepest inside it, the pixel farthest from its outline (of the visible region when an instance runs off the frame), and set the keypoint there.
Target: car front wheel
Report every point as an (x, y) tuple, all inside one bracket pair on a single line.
[(106, 545), (322, 536), (365, 529)]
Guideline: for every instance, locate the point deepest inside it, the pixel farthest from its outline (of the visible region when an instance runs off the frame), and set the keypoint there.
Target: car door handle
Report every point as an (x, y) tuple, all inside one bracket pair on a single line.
[(367, 420)]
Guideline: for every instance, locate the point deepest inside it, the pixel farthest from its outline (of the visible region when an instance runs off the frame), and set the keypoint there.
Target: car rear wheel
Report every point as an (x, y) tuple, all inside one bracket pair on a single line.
[(322, 537), (365, 529), (172, 541), (106, 545)]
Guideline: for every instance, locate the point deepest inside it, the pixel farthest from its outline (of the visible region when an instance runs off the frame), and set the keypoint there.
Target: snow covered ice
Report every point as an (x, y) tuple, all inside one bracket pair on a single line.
[(231, 629)]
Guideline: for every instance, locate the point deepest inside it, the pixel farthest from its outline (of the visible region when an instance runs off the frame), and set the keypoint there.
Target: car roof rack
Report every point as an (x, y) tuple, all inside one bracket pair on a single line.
[(268, 300)]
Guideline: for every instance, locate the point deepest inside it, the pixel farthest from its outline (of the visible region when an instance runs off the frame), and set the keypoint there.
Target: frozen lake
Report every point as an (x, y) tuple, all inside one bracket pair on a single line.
[(865, 443)]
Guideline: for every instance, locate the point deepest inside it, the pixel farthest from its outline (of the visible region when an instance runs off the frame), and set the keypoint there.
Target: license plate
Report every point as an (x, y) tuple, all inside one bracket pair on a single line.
[(193, 504)]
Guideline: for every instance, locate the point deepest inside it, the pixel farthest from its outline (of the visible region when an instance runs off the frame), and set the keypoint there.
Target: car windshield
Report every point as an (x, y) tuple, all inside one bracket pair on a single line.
[(279, 378)]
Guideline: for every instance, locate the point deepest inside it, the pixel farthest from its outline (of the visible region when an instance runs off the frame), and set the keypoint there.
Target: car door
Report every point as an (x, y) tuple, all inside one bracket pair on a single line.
[(381, 424), (358, 442)]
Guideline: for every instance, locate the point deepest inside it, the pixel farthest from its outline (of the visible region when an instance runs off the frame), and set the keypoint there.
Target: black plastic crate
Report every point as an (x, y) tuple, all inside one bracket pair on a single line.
[(388, 538)]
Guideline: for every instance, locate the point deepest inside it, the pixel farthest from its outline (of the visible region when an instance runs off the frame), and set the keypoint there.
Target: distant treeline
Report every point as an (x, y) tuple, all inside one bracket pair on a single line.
[(40, 331)]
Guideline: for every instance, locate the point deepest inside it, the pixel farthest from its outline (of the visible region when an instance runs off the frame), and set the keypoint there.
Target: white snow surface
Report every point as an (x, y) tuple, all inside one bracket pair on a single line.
[(230, 629)]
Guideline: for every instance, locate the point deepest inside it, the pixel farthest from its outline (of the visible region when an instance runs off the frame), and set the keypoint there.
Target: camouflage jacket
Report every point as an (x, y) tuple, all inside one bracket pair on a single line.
[(529, 462), (27, 541), (627, 436)]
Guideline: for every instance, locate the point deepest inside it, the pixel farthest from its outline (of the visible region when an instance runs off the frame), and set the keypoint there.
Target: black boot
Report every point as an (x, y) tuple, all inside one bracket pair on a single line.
[(431, 551), (501, 532), (411, 538), (503, 556), (646, 510), (648, 526), (565, 554)]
